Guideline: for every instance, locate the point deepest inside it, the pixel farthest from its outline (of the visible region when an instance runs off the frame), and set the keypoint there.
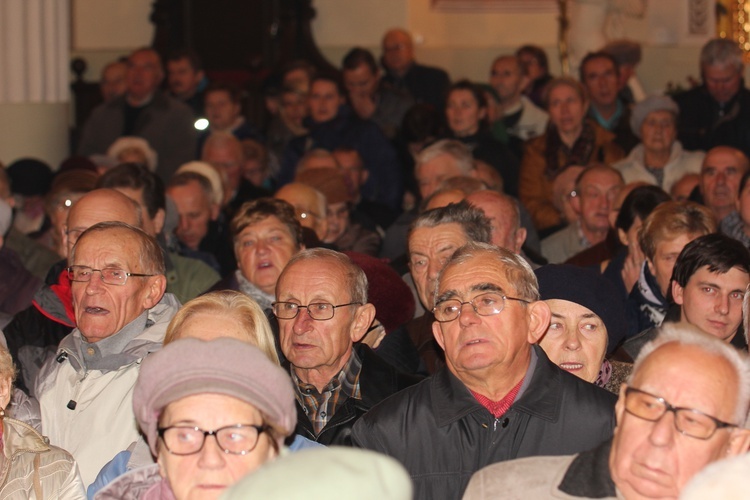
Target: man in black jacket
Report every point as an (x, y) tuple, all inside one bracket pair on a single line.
[(717, 112), (322, 309), (498, 397)]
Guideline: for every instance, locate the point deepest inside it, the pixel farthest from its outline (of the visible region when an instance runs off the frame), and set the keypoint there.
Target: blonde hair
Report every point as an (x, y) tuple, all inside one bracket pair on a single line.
[(248, 314)]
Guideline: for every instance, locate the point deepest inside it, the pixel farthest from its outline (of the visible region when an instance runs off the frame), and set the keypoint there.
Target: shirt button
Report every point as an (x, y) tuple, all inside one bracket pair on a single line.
[(90, 351), (323, 414), (308, 391)]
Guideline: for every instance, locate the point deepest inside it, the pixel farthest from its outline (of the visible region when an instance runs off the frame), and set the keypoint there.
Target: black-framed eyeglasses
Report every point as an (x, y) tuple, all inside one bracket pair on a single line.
[(239, 439), (110, 275), (484, 304), (687, 421), (320, 311)]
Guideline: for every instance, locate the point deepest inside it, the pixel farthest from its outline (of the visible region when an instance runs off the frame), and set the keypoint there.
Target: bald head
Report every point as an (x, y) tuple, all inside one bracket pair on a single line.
[(504, 216), (398, 51), (100, 205), (224, 151), (309, 205)]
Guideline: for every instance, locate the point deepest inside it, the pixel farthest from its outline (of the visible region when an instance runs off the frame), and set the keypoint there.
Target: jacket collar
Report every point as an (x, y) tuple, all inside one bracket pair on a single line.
[(18, 435), (588, 474), (541, 395)]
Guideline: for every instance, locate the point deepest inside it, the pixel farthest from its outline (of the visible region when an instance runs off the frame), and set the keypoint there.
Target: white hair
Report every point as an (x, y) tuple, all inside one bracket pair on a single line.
[(688, 335), (130, 142)]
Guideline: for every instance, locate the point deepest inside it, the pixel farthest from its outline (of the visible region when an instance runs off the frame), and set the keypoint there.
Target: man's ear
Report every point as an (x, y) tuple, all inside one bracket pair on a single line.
[(520, 239), (739, 442), (437, 332), (159, 220), (575, 202), (482, 113), (539, 317), (154, 291), (677, 293), (363, 176), (363, 318), (651, 267), (215, 209)]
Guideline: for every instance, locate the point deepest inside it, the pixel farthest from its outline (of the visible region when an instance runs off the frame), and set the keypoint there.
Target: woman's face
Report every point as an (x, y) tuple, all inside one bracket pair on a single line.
[(463, 113), (262, 250), (576, 339), (207, 473), (566, 110), (659, 131)]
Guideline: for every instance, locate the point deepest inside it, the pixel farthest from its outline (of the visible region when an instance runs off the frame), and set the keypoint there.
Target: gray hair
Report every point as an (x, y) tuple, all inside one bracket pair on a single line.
[(720, 52), (356, 279), (150, 254), (455, 149), (474, 223), (688, 335), (517, 271)]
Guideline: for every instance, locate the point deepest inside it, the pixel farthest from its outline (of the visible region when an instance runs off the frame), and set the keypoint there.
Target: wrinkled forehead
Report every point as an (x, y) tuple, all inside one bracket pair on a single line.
[(473, 273)]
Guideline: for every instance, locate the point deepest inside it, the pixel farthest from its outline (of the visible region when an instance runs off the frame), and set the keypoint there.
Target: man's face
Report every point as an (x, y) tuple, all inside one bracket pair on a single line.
[(144, 74), (659, 131), (429, 250), (722, 81), (312, 345), (152, 226), (566, 109), (182, 78), (114, 81), (474, 343), (463, 113), (351, 166), (576, 339), (293, 107), (227, 158), (713, 301), (361, 81), (431, 173), (720, 178), (196, 211), (599, 188), (600, 80), (220, 110), (665, 256), (653, 459), (262, 250), (507, 78), (531, 65), (398, 52), (338, 221), (500, 213), (101, 310), (324, 101)]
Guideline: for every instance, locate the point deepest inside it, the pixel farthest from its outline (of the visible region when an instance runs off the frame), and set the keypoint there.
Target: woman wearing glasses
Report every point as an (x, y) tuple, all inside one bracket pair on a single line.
[(212, 412)]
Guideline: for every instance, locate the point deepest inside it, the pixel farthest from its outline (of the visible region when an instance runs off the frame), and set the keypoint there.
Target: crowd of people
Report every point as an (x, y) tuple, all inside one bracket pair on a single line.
[(394, 286)]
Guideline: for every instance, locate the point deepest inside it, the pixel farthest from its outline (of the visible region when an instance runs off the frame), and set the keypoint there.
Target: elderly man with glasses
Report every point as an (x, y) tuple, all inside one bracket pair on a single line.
[(499, 397), (121, 314), (683, 407), (322, 309)]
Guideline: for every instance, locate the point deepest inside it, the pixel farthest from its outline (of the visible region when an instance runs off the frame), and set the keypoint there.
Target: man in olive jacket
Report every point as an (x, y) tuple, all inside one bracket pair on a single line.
[(498, 397)]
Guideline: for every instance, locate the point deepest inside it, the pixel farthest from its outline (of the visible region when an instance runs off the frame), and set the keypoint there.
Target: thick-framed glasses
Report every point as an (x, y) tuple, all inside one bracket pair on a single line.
[(239, 439), (110, 275), (687, 421), (320, 311), (484, 304)]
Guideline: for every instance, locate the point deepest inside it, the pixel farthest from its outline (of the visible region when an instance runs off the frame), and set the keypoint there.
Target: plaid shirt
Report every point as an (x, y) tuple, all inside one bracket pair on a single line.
[(321, 406)]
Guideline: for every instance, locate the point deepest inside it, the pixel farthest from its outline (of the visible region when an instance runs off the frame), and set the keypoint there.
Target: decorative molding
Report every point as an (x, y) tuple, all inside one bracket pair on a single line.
[(514, 6)]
